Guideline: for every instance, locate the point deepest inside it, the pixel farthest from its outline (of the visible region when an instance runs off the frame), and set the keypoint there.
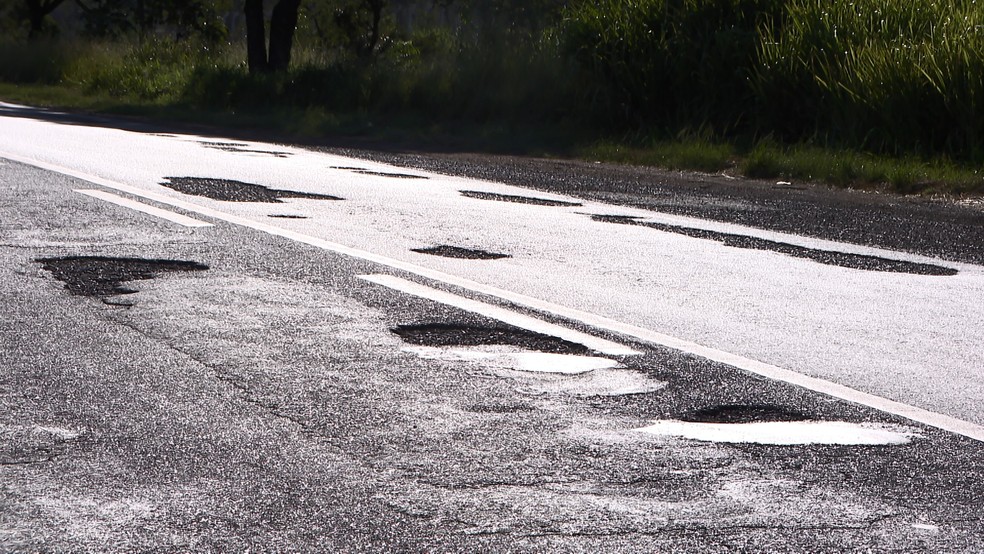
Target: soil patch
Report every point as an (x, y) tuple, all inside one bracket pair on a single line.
[(840, 259), (229, 190), (101, 276)]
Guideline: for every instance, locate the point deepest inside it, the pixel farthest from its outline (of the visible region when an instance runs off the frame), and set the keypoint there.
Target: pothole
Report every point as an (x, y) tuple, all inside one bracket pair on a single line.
[(499, 408), (453, 334), (624, 219), (364, 171), (243, 148), (518, 199), (229, 190), (741, 413), (784, 433), (104, 276), (448, 251), (828, 257)]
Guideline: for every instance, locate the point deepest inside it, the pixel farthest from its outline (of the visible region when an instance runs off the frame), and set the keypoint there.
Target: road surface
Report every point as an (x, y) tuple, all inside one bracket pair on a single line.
[(327, 352)]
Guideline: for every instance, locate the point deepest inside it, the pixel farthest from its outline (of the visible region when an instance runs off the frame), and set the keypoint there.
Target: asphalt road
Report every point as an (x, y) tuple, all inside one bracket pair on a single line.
[(336, 354)]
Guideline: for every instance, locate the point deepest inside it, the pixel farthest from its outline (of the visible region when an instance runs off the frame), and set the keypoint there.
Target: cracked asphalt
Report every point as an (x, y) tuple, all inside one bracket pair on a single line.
[(270, 403)]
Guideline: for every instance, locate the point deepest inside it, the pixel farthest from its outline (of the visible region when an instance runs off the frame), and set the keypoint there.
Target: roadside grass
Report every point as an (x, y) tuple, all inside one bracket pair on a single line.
[(683, 154), (905, 175)]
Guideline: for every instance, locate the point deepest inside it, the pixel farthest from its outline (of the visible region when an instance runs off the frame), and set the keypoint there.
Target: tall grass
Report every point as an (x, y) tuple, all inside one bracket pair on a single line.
[(675, 64), (889, 75)]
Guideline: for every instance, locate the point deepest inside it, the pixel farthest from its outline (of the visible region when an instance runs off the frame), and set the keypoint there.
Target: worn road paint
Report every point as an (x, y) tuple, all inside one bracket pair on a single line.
[(506, 316), (144, 208), (919, 415)]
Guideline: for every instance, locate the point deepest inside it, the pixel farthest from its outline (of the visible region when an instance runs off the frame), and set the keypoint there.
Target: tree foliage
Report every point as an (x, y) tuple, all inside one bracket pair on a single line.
[(114, 18)]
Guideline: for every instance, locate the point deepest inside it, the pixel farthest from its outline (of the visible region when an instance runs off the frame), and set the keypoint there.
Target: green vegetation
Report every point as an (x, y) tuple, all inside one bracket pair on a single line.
[(870, 93)]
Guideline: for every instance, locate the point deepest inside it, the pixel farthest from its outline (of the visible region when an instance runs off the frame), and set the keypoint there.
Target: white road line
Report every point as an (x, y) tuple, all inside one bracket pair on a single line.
[(141, 207), (506, 316), (919, 415)]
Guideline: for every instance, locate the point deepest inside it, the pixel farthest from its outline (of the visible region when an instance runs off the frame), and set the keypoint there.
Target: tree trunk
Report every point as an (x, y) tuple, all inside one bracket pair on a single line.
[(37, 10), (256, 54), (283, 22)]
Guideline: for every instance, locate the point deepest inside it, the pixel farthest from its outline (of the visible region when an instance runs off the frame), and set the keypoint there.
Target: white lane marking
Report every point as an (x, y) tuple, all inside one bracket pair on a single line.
[(506, 316), (913, 413), (141, 207)]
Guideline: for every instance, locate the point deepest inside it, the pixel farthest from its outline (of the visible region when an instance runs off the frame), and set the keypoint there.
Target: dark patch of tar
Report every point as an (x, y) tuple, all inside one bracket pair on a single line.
[(287, 216), (518, 199), (840, 259), (458, 252), (104, 276), (364, 171), (742, 413), (451, 334), (242, 147), (236, 191)]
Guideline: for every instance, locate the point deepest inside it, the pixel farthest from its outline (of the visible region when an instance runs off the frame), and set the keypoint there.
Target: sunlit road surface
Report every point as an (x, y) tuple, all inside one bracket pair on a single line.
[(909, 338), (263, 399)]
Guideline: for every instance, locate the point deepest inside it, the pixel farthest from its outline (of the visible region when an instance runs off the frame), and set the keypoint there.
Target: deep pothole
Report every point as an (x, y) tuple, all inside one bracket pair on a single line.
[(742, 413), (827, 257), (104, 276), (454, 334), (229, 190), (448, 251), (517, 199)]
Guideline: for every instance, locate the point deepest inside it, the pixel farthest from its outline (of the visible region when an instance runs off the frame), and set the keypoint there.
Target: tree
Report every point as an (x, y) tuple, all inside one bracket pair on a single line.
[(115, 18), (283, 22), (37, 11)]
